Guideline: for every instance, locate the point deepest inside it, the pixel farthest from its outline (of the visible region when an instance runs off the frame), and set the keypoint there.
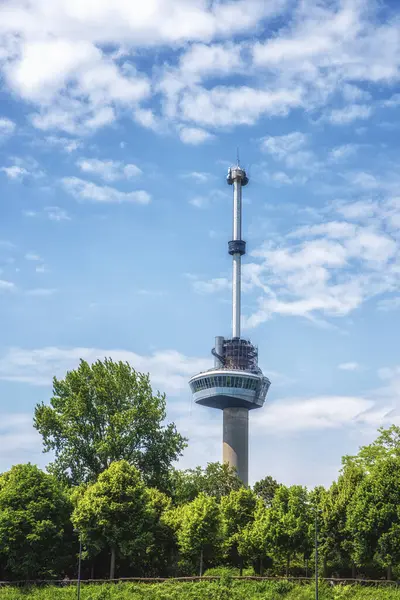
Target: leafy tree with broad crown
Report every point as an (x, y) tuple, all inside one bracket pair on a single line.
[(35, 528), (198, 529), (106, 412), (117, 512), (374, 515), (286, 525), (266, 489), (216, 480), (238, 511)]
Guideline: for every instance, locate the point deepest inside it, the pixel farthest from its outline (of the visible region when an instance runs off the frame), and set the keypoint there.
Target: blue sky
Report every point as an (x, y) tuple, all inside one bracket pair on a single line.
[(117, 124)]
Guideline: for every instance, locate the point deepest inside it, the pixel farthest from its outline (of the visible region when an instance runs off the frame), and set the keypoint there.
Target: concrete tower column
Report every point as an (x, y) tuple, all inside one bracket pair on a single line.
[(235, 441)]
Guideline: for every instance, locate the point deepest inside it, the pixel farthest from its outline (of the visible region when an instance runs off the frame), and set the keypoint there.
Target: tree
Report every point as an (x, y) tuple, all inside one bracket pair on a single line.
[(198, 529), (253, 539), (374, 515), (386, 445), (106, 412), (266, 489), (35, 529), (160, 553), (216, 480), (116, 512), (336, 541), (237, 511), (287, 523)]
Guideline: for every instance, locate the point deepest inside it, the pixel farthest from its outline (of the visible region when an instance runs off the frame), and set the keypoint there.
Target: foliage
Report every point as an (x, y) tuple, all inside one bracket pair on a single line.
[(34, 523), (198, 528), (103, 413), (203, 590), (374, 514), (286, 526), (117, 512), (216, 480), (237, 511), (266, 489)]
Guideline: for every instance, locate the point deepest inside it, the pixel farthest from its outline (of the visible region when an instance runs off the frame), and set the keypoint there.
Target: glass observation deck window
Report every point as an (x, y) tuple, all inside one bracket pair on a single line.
[(225, 381)]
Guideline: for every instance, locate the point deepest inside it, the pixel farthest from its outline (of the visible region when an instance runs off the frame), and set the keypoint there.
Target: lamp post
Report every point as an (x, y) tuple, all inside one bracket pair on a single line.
[(79, 564), (316, 513)]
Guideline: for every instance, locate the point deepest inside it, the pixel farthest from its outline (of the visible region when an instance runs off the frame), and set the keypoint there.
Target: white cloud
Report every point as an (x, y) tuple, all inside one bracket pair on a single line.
[(218, 284), (67, 144), (224, 106), (281, 178), (7, 127), (389, 304), (281, 146), (169, 369), (199, 201), (392, 102), (23, 167), (79, 67), (207, 199), (55, 213), (305, 414), (19, 441), (344, 116), (86, 190), (342, 152), (197, 176), (194, 136), (349, 366), (109, 170), (6, 286), (14, 172), (325, 270), (32, 256)]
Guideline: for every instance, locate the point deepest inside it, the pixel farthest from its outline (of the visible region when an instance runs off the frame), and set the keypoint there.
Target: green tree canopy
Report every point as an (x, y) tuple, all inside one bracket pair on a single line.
[(106, 412), (35, 523), (286, 525), (386, 445), (266, 489), (198, 528), (117, 512), (238, 512), (216, 480), (374, 515)]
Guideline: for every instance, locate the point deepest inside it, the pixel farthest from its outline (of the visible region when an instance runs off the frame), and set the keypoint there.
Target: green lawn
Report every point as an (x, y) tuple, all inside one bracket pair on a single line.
[(237, 590)]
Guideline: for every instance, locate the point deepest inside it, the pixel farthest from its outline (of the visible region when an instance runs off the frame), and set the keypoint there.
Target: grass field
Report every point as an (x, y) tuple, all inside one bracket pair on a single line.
[(223, 590)]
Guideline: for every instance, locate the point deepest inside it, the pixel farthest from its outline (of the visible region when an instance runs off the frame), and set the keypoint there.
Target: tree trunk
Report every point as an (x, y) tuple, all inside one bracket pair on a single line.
[(389, 573), (112, 563), (201, 563), (92, 571), (353, 571), (261, 566), (288, 566), (241, 567)]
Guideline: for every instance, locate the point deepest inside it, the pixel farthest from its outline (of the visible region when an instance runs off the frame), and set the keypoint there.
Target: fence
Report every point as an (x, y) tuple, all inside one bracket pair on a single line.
[(300, 580)]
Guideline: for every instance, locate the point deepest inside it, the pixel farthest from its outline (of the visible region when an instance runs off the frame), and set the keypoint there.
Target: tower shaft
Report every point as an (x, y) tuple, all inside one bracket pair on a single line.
[(235, 441)]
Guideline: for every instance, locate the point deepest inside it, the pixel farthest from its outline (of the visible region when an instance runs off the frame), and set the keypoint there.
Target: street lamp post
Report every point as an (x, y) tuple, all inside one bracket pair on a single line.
[(79, 564)]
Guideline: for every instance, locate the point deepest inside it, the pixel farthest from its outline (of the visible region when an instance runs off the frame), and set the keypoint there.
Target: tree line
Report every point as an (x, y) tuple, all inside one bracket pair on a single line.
[(112, 486)]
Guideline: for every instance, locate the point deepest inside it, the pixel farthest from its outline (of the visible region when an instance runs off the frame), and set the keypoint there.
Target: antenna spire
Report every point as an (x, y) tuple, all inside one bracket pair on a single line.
[(237, 156)]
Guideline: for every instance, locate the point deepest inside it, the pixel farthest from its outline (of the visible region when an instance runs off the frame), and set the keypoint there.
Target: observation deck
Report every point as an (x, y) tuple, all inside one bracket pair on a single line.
[(236, 381)]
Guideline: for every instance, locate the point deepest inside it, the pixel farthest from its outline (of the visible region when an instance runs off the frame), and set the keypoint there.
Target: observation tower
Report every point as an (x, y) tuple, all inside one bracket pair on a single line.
[(236, 384)]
